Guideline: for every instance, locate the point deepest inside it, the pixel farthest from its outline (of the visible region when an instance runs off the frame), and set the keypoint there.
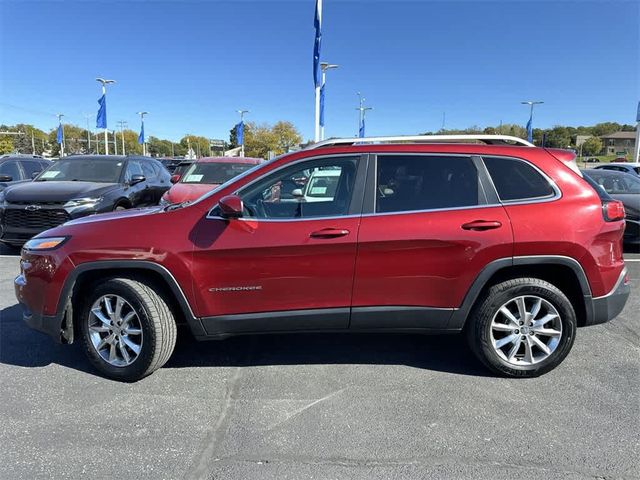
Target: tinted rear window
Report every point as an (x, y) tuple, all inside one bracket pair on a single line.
[(516, 179), (425, 182)]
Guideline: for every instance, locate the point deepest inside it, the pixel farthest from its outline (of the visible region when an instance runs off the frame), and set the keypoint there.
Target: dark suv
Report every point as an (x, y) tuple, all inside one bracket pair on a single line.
[(77, 186), (502, 241), (20, 168)]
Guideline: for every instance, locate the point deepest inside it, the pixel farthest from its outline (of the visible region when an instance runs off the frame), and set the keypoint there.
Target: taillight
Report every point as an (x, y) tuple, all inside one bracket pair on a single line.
[(612, 210)]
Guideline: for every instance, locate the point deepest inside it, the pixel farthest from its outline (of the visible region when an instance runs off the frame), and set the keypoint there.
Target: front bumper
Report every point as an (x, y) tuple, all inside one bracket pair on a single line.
[(50, 325), (609, 306)]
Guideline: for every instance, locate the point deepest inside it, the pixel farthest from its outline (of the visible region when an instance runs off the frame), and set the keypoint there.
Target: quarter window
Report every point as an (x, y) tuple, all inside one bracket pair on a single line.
[(319, 188), (517, 180), (419, 182)]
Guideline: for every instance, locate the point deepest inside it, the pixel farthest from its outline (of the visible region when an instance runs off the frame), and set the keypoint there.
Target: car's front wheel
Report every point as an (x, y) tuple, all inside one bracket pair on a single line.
[(522, 328), (128, 331)]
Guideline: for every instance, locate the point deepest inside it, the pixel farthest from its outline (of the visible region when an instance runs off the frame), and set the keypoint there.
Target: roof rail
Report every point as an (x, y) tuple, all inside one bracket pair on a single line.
[(487, 139)]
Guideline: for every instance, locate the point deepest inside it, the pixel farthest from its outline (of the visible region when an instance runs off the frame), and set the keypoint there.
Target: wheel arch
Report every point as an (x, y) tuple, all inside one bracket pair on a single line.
[(563, 272), (85, 275)]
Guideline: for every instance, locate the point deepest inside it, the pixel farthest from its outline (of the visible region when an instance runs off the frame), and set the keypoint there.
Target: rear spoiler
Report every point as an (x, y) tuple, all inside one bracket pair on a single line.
[(568, 157)]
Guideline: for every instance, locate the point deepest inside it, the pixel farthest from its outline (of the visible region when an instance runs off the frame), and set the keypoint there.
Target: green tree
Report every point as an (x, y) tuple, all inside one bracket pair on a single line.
[(592, 146), (287, 137), (558, 137), (6, 144)]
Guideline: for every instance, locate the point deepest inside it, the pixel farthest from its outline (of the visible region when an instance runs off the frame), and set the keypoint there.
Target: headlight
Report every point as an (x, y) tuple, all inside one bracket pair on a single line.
[(83, 202), (3, 202), (44, 243)]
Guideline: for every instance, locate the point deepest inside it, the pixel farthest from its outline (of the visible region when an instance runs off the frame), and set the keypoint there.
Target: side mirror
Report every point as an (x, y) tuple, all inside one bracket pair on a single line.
[(297, 193), (175, 178), (34, 175), (6, 178), (231, 206), (136, 179)]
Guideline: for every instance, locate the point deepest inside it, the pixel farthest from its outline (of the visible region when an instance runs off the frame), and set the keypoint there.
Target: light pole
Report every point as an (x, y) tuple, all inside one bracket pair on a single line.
[(87, 117), (141, 136), (115, 142), (363, 111), (61, 127), (531, 103), (122, 124), (104, 94), (242, 112), (324, 66)]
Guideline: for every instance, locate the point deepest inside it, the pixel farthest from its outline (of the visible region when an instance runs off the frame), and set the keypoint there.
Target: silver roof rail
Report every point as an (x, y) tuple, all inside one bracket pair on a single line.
[(487, 139)]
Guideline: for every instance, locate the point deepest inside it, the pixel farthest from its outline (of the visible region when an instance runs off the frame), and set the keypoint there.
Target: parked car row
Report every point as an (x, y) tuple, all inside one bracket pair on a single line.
[(81, 185)]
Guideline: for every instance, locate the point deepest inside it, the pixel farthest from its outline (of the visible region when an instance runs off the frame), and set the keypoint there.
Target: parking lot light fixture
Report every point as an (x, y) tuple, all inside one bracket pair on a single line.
[(324, 66), (141, 137), (241, 125), (531, 103), (104, 83)]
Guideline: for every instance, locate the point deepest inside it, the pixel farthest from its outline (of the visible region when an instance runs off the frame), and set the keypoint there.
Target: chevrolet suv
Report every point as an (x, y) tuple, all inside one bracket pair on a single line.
[(485, 235)]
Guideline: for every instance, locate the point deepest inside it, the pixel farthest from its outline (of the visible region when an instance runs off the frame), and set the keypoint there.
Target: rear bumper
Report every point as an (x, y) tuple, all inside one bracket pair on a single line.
[(609, 306)]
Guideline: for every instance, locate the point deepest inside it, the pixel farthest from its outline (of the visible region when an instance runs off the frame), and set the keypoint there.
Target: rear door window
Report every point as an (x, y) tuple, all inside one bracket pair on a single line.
[(11, 169), (426, 182), (517, 180), (30, 167)]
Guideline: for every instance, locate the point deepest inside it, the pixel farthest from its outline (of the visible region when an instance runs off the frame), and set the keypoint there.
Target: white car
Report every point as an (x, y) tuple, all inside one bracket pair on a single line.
[(632, 168), (321, 186)]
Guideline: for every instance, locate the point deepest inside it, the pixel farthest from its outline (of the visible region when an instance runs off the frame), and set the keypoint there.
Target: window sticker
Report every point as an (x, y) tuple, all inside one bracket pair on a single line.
[(51, 174), (193, 178), (318, 190)]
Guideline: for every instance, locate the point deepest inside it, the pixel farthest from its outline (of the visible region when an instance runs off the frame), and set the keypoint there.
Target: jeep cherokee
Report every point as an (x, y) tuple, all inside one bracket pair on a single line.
[(485, 235)]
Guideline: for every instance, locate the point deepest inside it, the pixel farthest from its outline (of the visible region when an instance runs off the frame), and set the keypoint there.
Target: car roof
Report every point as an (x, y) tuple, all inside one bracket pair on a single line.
[(621, 164), (247, 160), (601, 172), (114, 158), (334, 172)]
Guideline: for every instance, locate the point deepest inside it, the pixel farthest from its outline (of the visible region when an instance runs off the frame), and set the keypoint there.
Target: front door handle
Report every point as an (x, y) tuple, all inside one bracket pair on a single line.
[(329, 233), (480, 225)]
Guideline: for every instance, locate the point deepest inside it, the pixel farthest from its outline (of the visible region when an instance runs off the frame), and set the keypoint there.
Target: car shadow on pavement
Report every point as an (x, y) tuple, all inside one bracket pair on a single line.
[(23, 347), (444, 353)]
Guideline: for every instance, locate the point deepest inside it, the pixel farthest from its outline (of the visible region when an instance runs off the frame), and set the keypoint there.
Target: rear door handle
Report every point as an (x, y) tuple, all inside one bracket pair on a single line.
[(329, 233), (480, 225)]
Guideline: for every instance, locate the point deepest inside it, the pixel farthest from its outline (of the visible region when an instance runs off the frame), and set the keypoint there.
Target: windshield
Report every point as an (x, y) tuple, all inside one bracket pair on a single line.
[(83, 170), (214, 172)]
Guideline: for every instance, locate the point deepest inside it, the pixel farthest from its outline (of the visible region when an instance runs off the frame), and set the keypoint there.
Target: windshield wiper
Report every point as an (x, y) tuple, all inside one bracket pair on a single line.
[(176, 206)]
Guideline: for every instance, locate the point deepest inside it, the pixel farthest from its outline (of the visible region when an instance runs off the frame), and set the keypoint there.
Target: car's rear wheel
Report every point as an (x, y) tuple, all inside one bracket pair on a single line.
[(522, 328), (128, 331)]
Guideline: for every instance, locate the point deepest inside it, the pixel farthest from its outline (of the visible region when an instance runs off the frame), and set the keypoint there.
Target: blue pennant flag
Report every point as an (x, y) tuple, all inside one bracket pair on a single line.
[(638, 114), (60, 136), (317, 23), (530, 129), (240, 133), (322, 105), (361, 131), (141, 136), (101, 119)]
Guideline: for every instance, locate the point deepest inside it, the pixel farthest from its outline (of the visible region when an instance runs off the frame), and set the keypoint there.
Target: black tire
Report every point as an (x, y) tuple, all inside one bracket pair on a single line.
[(119, 207), (157, 324), (478, 328)]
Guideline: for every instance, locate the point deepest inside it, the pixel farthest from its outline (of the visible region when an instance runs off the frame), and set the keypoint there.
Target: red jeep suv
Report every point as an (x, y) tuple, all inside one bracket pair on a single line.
[(485, 235)]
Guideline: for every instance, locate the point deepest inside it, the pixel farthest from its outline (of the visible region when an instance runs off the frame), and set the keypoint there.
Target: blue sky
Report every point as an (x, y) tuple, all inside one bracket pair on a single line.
[(193, 64)]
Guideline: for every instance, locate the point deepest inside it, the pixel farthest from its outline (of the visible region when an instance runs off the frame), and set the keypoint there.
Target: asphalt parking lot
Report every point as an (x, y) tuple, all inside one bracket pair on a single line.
[(324, 406)]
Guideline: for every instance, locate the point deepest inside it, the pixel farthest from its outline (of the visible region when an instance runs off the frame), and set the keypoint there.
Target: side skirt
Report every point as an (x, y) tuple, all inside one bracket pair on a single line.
[(357, 319)]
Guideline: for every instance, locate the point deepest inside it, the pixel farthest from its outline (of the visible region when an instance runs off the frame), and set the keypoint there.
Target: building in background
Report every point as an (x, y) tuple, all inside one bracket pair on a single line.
[(619, 143)]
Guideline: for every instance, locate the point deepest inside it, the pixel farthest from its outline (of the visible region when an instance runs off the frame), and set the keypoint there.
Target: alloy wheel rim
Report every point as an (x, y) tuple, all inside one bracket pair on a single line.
[(526, 330), (115, 330)]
